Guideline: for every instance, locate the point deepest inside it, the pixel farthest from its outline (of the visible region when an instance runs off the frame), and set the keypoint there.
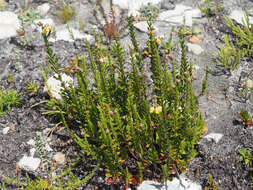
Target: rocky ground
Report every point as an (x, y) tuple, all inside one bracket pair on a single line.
[(22, 54)]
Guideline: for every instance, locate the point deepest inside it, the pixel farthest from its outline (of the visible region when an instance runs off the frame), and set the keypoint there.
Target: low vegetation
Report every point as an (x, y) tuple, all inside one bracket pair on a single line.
[(126, 125), (66, 12), (130, 127), (240, 44), (8, 98)]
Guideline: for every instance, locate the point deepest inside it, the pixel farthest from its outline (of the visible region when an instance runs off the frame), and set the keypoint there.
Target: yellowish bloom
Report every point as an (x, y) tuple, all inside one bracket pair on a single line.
[(152, 109), (46, 30), (158, 109), (158, 41)]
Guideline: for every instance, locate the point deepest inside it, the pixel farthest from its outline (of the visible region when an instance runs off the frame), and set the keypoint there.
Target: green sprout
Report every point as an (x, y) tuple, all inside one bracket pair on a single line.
[(32, 87), (66, 13)]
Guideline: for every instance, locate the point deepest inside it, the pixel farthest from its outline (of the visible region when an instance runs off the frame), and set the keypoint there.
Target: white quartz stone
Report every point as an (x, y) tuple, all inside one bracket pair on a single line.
[(62, 33), (31, 142), (195, 48), (43, 9), (134, 13), (28, 163), (6, 130), (9, 24), (143, 26), (195, 13), (239, 15), (59, 158), (171, 185), (55, 85), (134, 4), (214, 136), (178, 15), (250, 83), (32, 151)]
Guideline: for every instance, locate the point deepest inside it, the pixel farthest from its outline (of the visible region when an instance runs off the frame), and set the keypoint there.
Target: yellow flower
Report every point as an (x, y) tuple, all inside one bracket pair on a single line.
[(46, 30), (158, 41), (158, 109), (152, 109)]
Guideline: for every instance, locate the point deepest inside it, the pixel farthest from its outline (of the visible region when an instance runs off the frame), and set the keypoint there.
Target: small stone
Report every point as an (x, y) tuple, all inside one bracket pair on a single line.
[(134, 4), (250, 83), (214, 136), (43, 9), (31, 142), (5, 130), (194, 40), (28, 163), (55, 87), (48, 148), (177, 15), (9, 24), (196, 67), (195, 48), (32, 151), (167, 4), (62, 33), (239, 15), (59, 158), (171, 185), (195, 13), (143, 26), (134, 13)]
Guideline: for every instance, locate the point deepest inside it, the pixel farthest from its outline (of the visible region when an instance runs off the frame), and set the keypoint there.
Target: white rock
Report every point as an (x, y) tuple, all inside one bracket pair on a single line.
[(59, 158), (62, 33), (143, 26), (250, 83), (43, 9), (9, 24), (239, 15), (55, 85), (134, 13), (195, 13), (214, 136), (188, 18), (134, 4), (178, 15), (29, 163), (5, 130), (170, 185), (32, 151), (196, 67), (31, 142), (48, 148), (195, 48)]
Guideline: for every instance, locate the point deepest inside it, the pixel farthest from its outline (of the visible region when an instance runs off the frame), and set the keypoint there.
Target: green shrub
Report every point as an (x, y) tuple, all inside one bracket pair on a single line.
[(64, 181), (8, 98), (231, 53), (66, 13), (211, 8), (149, 10), (246, 157), (116, 121), (244, 33)]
